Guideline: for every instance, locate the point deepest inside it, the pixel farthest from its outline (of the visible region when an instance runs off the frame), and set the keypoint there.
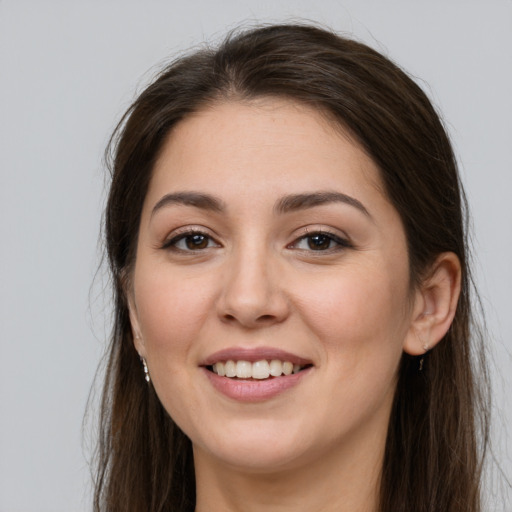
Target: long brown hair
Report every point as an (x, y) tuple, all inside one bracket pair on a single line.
[(438, 428)]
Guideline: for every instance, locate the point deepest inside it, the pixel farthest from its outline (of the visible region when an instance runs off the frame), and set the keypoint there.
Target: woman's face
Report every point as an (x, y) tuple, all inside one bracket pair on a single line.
[(266, 239)]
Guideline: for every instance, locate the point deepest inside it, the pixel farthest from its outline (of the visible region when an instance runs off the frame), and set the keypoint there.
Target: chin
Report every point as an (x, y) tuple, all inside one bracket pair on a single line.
[(259, 449), (258, 459)]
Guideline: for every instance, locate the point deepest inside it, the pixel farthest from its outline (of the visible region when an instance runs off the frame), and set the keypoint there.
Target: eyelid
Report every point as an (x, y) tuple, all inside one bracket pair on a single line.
[(181, 233), (342, 241)]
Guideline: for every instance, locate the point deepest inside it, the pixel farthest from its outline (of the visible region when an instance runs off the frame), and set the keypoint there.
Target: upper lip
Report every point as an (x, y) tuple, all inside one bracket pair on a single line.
[(254, 354)]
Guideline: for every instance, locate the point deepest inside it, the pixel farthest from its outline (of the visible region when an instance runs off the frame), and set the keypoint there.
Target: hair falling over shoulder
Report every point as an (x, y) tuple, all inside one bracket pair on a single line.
[(438, 430)]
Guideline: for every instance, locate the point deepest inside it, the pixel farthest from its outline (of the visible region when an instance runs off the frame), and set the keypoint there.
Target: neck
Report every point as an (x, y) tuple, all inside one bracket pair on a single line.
[(344, 480)]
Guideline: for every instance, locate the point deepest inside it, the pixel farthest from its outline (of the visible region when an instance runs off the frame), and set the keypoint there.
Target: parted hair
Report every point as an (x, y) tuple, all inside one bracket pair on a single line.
[(438, 429)]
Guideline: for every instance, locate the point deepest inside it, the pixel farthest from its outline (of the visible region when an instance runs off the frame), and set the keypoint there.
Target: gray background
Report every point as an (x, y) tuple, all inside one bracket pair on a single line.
[(68, 70)]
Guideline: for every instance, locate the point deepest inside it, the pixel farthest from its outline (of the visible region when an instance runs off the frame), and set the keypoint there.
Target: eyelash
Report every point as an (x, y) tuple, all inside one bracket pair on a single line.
[(328, 237), (341, 243), (172, 244)]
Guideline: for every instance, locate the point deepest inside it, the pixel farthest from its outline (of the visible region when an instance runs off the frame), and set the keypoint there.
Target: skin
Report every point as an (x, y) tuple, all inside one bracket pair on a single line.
[(348, 307)]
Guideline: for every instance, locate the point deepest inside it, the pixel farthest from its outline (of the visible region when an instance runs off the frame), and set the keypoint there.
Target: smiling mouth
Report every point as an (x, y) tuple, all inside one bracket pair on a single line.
[(257, 370)]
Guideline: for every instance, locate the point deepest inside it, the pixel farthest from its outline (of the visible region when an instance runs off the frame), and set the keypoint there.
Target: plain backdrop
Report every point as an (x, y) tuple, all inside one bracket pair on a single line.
[(68, 69)]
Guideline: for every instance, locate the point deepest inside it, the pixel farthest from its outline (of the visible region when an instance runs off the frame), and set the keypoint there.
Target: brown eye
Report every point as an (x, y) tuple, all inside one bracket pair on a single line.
[(194, 242), (191, 241), (319, 242)]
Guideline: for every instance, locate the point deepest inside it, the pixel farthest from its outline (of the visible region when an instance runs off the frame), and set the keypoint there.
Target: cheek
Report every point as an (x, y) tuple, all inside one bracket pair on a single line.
[(171, 310), (358, 312), (171, 313), (361, 321)]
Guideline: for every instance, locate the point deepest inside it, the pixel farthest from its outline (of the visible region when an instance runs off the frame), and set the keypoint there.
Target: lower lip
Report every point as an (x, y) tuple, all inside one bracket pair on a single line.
[(254, 390)]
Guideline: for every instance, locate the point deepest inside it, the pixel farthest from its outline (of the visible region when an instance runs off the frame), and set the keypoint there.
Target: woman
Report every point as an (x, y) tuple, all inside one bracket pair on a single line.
[(286, 238)]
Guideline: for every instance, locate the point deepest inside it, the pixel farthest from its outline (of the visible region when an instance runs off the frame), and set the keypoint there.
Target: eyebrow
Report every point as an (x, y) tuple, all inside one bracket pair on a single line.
[(303, 201), (196, 199), (287, 204)]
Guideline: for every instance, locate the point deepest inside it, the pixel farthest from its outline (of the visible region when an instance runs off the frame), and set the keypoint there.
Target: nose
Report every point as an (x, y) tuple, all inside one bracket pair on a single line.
[(253, 294)]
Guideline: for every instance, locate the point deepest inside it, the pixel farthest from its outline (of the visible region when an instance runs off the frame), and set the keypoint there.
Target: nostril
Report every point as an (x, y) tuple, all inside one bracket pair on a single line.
[(265, 318), (252, 311), (262, 319)]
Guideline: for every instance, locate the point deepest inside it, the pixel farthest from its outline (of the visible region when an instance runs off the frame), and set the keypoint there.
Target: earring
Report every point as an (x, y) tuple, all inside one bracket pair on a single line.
[(422, 360), (146, 371), (144, 364)]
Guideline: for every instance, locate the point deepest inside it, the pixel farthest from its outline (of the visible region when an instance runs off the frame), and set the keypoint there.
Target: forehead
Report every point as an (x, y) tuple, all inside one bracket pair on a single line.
[(262, 146)]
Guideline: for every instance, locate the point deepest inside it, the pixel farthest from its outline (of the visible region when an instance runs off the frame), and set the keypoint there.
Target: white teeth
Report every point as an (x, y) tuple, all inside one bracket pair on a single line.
[(230, 369), (219, 369), (258, 370), (276, 368), (243, 369), (287, 368)]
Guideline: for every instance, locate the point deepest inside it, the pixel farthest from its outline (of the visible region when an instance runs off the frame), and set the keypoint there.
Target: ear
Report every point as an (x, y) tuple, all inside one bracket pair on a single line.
[(138, 340), (435, 304)]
